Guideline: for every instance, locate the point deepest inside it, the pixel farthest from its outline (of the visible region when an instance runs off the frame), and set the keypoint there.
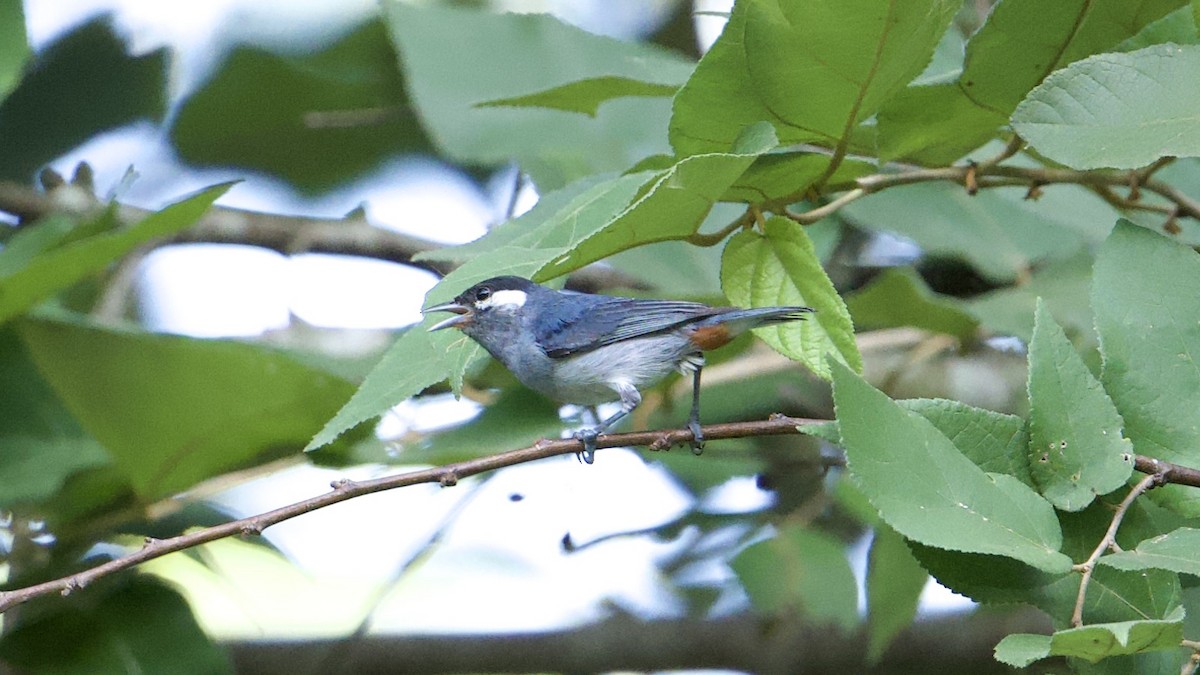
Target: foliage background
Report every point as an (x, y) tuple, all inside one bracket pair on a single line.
[(993, 209)]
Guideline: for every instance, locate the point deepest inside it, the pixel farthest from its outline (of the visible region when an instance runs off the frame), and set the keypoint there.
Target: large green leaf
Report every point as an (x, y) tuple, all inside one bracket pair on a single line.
[(14, 47), (1094, 642), (995, 442), (800, 570), (41, 445), (1178, 27), (173, 411), (1113, 595), (29, 279), (814, 69), (416, 361), (1076, 450), (498, 56), (144, 627), (1146, 297), (671, 205), (789, 174), (1021, 43), (1174, 551), (780, 267), (1116, 110), (930, 492), (283, 114), (83, 84), (560, 220)]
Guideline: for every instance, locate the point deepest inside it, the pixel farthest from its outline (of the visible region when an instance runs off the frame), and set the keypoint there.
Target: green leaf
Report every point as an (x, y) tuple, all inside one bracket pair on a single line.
[(1021, 649), (1116, 110), (780, 267), (894, 583), (27, 281), (173, 411), (1076, 450), (929, 492), (1112, 596), (499, 56), (1100, 641), (584, 96), (417, 360), (1021, 43), (800, 570), (14, 47), (788, 175), (144, 627), (41, 445), (1174, 551), (994, 441), (900, 297), (558, 222), (1146, 297), (81, 85), (935, 124), (1178, 27), (856, 53), (997, 231), (330, 115), (672, 205)]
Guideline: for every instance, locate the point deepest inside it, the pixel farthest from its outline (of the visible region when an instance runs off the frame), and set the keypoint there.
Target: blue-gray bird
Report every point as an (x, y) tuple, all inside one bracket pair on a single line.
[(589, 349)]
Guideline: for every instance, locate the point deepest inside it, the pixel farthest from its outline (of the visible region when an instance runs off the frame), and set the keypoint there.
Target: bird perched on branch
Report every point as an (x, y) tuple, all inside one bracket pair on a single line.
[(590, 349)]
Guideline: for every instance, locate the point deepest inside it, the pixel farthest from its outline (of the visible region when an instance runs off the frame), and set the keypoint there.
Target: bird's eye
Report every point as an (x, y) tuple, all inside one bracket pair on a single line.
[(483, 294)]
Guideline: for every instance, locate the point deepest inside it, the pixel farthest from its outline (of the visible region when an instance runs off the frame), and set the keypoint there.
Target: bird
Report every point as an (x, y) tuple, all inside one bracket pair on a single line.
[(587, 349)]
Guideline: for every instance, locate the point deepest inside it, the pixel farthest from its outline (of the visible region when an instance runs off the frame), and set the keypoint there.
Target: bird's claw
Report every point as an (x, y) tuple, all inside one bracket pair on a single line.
[(588, 438), (693, 426)]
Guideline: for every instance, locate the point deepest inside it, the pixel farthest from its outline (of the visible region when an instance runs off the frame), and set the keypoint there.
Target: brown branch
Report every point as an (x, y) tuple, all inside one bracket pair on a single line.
[(450, 474), (290, 235), (1109, 541), (959, 642), (991, 174), (346, 489)]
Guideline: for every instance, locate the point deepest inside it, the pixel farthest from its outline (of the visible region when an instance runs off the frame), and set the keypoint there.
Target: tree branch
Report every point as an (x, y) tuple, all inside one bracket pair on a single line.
[(992, 174), (450, 474), (961, 642), (343, 490), (288, 235), (1109, 541)]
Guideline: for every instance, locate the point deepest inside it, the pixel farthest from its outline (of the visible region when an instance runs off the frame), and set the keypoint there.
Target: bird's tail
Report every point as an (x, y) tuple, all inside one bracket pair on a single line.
[(736, 321), (763, 316)]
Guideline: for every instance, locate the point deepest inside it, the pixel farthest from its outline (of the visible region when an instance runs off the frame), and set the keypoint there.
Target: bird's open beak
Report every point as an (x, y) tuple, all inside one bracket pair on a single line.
[(463, 315)]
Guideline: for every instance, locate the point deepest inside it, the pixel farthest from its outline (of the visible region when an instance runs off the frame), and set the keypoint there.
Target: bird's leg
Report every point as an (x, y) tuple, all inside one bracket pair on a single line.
[(630, 398), (693, 424)]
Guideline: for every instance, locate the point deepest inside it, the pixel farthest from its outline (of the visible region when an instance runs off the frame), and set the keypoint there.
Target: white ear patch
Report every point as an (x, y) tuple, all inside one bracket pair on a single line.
[(510, 299)]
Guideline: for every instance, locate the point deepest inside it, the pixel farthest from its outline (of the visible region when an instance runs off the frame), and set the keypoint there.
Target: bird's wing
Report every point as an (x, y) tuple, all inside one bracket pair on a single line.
[(584, 327)]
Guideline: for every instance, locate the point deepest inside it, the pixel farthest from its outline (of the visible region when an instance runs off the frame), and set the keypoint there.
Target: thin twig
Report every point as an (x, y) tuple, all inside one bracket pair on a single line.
[(714, 238), (1109, 541), (450, 474), (346, 489)]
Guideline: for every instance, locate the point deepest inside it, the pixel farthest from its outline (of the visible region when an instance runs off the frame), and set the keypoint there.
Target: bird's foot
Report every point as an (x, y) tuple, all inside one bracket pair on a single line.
[(693, 426), (588, 436)]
